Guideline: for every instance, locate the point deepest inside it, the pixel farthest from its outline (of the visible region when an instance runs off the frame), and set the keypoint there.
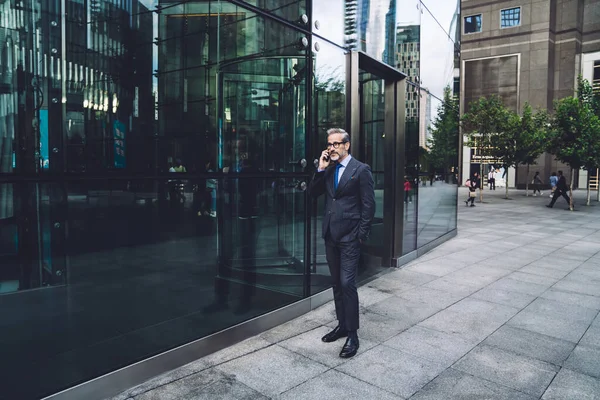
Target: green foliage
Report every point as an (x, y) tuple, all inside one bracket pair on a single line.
[(531, 135), (574, 136), (443, 144), (486, 117), (523, 138)]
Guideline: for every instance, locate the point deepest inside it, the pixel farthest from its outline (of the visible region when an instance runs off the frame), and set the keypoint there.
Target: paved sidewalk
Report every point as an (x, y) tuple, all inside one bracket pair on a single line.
[(506, 310)]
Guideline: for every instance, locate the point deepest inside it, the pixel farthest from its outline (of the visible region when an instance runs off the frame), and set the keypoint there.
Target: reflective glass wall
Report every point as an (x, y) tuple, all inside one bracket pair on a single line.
[(153, 160), (428, 51)]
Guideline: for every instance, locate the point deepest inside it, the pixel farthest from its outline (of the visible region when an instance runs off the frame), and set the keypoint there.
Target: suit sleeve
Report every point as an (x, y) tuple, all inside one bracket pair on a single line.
[(367, 198), (316, 186)]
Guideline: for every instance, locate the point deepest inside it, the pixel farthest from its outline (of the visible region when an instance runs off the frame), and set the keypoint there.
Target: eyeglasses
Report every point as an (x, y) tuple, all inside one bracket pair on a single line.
[(335, 145)]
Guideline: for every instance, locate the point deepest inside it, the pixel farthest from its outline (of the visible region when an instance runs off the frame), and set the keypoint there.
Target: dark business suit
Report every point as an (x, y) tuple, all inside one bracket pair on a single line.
[(561, 190), (349, 211)]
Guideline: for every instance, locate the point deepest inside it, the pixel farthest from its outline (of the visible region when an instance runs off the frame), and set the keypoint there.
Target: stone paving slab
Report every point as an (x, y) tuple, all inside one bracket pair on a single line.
[(506, 310), (572, 385), (273, 370), (531, 344), (392, 370), (456, 385), (334, 385), (508, 369)]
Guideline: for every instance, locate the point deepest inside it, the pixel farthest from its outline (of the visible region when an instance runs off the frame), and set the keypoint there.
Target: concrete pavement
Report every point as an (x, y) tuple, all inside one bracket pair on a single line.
[(506, 310)]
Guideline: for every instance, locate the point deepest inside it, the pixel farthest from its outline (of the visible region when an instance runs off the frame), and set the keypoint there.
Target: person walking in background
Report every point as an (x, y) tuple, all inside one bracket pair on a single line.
[(210, 193), (472, 185), (407, 191), (537, 181), (492, 179), (477, 180), (561, 190), (553, 182), (349, 210)]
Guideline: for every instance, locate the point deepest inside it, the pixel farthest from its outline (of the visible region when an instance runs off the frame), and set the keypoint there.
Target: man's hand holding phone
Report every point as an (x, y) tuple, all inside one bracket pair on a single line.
[(324, 160)]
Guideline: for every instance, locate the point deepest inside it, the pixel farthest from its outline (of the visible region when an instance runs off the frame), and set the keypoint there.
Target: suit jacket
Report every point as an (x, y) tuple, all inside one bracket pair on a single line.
[(349, 210), (562, 184)]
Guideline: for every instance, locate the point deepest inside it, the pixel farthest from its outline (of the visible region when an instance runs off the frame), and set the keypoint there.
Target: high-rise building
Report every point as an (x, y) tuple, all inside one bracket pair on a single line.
[(369, 27), (527, 52), (408, 58)]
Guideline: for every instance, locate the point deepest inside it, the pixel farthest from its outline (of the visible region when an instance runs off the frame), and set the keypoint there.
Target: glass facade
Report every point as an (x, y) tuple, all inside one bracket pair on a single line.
[(154, 156)]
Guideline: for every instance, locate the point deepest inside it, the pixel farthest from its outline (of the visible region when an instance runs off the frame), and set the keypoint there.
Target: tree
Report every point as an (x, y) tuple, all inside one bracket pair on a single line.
[(503, 145), (574, 136), (443, 144), (532, 138), (486, 117)]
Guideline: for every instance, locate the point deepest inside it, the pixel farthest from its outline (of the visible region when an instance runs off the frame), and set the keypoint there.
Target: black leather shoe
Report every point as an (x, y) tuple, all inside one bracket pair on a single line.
[(334, 335), (350, 347)]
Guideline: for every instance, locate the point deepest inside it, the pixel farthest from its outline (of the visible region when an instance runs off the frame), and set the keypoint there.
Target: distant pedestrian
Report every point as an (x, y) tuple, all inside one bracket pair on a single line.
[(537, 181), (472, 185), (561, 190), (553, 182), (492, 179), (407, 191)]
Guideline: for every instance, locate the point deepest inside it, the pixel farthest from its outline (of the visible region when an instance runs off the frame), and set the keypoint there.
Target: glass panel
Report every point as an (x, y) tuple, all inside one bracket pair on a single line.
[(156, 106), (329, 108), (473, 24), (291, 10), (372, 129), (369, 26), (438, 124), (143, 276), (510, 17), (32, 248), (335, 20), (412, 159), (408, 60)]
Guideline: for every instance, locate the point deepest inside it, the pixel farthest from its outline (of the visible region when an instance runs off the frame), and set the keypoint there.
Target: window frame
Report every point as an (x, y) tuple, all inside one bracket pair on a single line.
[(464, 25), (520, 17)]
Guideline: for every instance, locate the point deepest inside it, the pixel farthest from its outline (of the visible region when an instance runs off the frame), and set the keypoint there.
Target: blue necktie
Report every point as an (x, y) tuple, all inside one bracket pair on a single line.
[(335, 177)]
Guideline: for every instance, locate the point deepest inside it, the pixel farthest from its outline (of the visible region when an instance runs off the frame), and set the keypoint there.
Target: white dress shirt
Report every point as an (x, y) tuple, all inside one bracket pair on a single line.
[(344, 164)]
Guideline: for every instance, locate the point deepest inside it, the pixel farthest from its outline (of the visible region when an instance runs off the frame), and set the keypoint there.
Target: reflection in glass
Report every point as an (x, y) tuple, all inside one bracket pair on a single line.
[(372, 143), (370, 27), (438, 124), (329, 105), (291, 10)]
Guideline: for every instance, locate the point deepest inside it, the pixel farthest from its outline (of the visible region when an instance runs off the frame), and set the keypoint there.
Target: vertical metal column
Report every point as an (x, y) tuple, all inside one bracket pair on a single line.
[(398, 171), (353, 101)]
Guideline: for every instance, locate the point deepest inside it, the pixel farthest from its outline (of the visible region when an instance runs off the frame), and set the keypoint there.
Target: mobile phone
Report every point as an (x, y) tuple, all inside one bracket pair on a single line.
[(326, 158)]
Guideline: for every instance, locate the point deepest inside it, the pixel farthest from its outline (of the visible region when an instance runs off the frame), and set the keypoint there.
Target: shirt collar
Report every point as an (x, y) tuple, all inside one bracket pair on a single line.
[(345, 161)]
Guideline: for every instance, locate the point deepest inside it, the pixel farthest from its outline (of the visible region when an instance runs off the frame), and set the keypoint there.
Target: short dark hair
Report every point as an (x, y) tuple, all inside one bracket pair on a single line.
[(334, 131), (560, 172)]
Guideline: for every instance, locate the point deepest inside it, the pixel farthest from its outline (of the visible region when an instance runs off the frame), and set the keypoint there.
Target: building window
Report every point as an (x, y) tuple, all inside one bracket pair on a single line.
[(510, 17), (473, 24), (596, 76)]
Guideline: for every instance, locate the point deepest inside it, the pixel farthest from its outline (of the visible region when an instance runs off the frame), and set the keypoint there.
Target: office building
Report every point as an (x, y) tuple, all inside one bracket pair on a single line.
[(527, 52), (154, 159)]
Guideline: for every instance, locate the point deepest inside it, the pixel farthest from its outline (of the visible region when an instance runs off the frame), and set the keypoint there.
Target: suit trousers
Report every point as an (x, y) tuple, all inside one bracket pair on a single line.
[(343, 259), (557, 194)]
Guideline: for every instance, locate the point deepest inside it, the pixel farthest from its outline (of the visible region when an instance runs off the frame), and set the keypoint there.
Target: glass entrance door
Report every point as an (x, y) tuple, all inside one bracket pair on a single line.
[(375, 103), (263, 209), (372, 144)]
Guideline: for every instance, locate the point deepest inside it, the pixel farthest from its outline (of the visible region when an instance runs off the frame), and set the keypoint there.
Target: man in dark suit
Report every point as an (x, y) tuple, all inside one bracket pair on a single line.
[(561, 190), (349, 209)]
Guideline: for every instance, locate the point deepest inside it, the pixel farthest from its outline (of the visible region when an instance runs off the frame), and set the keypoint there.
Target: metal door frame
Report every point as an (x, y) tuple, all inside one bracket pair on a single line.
[(395, 116)]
